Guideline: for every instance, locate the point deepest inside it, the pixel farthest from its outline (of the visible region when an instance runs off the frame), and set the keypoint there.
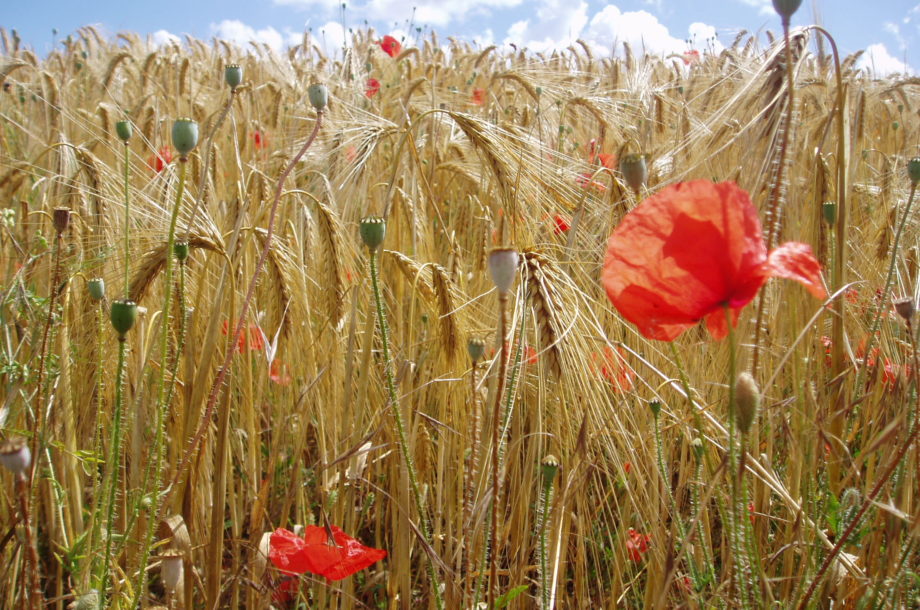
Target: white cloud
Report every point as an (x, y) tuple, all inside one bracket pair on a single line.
[(557, 24), (703, 37), (879, 62), (236, 31), (163, 37), (330, 37), (764, 7), (431, 12)]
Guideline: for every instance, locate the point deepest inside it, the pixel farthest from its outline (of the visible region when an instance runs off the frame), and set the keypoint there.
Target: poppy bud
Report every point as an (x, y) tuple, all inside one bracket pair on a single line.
[(15, 456), (96, 288), (476, 348), (319, 96), (233, 75), (655, 406), (913, 170), (373, 229), (747, 400), (124, 130), (634, 168), (171, 570), (697, 445), (123, 315), (503, 263), (905, 308), (180, 249), (829, 209), (550, 466), (60, 218), (785, 8), (184, 136)]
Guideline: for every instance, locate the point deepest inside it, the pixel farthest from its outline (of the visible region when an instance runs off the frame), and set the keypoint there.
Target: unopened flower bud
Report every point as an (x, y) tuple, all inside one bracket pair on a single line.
[(913, 170), (180, 249), (233, 75), (697, 445), (96, 288), (747, 401), (60, 218), (124, 131), (550, 466), (905, 308), (655, 406), (15, 456), (373, 229), (634, 168), (476, 348), (123, 315), (319, 96), (185, 136), (503, 263)]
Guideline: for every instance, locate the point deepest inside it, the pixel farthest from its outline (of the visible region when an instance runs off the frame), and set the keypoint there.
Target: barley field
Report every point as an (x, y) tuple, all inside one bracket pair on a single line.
[(246, 292)]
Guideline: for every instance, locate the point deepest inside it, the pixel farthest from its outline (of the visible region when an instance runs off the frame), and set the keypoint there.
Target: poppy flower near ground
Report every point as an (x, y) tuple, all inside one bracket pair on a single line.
[(607, 160), (372, 87), (612, 366), (585, 181), (251, 337), (279, 372), (316, 553), (690, 252), (259, 140), (637, 544), (479, 97), (160, 159), (390, 46), (530, 354), (561, 224)]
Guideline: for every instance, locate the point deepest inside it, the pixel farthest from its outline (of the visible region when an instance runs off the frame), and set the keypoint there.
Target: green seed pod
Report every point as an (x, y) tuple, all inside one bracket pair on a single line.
[(319, 96), (373, 229), (747, 401), (503, 264), (550, 466), (913, 170), (233, 75), (60, 218), (180, 249), (829, 210), (185, 135), (634, 168), (123, 315), (96, 288), (124, 131), (476, 348), (785, 8)]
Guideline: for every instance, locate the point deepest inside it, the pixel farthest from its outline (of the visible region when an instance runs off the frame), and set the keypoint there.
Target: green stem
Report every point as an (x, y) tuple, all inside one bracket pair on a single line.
[(546, 501), (127, 221), (393, 400), (496, 418)]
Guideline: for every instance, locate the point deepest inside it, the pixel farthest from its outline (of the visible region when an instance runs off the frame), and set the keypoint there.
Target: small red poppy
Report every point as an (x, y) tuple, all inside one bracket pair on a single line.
[(315, 552), (637, 544), (585, 181), (691, 57), (607, 160), (372, 87), (259, 140), (561, 224), (689, 252), (390, 46), (160, 159), (279, 372), (479, 97), (530, 354), (612, 366), (250, 337)]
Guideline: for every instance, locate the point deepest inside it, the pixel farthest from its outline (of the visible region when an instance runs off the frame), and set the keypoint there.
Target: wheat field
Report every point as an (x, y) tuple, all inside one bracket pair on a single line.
[(615, 486)]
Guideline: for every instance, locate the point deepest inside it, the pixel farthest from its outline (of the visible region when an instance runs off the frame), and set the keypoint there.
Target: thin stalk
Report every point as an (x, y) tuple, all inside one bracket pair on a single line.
[(98, 435), (205, 165), (470, 478), (496, 419), (33, 566), (393, 400), (127, 221), (546, 497)]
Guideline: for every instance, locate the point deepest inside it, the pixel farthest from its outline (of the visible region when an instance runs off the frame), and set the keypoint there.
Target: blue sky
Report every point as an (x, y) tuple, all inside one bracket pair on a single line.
[(888, 29)]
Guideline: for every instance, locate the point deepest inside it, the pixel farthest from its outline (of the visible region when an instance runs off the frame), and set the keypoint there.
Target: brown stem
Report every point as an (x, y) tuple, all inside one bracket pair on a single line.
[(33, 567), (496, 424)]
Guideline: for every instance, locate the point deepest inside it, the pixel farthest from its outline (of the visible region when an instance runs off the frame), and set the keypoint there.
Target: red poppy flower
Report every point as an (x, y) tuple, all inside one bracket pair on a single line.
[(390, 46), (335, 559), (560, 224), (250, 338), (688, 252), (160, 159), (751, 512), (607, 160), (372, 87), (584, 181), (259, 140), (530, 354), (637, 544), (279, 372), (612, 366), (479, 97), (691, 57)]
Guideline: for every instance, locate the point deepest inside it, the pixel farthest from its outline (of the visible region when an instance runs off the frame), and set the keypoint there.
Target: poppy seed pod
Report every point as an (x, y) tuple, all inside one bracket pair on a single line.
[(319, 96), (96, 288), (373, 229), (785, 8), (476, 348), (124, 131), (747, 401), (60, 218), (905, 308), (15, 455), (913, 170), (171, 570), (233, 75), (550, 466), (123, 315), (180, 249), (503, 263), (634, 168), (185, 136)]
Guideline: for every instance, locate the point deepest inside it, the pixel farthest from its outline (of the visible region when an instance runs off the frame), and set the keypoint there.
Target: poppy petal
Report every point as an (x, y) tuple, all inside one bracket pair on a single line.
[(343, 560), (795, 261), (287, 551)]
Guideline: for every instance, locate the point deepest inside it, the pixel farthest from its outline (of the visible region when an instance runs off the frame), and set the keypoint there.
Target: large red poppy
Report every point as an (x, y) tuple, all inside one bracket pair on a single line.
[(390, 46), (335, 559), (690, 251)]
